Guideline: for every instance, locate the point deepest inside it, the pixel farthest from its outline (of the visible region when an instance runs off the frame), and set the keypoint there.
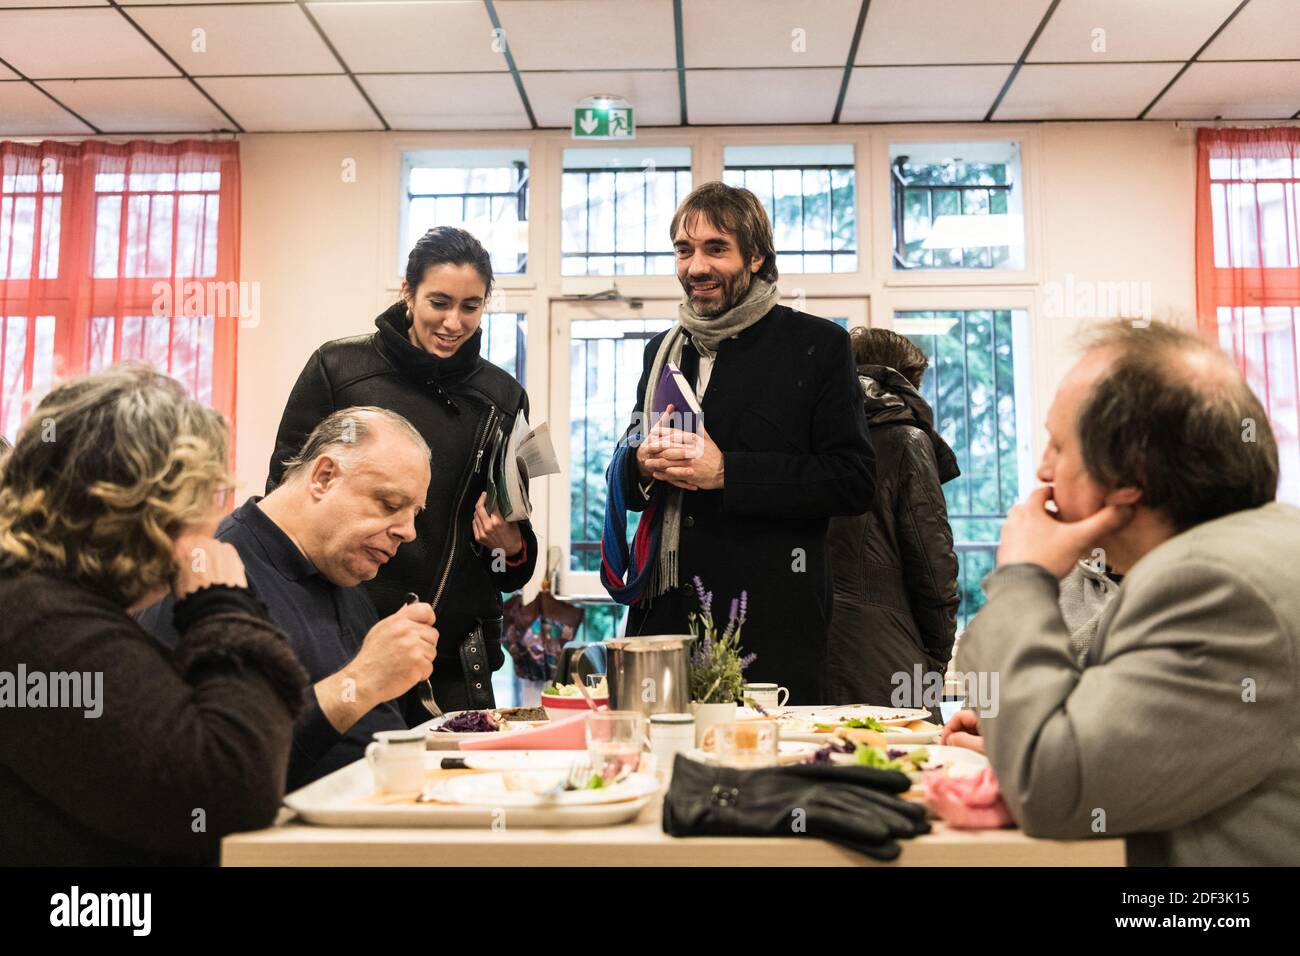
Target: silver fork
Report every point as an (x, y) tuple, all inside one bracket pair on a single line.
[(426, 689), (579, 773)]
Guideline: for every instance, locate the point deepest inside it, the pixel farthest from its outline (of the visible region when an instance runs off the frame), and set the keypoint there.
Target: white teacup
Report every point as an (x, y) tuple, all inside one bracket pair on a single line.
[(396, 758), (767, 696)]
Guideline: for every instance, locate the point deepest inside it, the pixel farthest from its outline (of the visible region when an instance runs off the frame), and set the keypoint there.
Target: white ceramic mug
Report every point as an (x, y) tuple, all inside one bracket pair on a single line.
[(767, 696), (396, 758)]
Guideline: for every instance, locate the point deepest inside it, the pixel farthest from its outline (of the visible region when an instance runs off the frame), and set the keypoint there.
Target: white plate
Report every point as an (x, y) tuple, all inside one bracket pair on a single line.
[(796, 722), (450, 740), (346, 798), (957, 761), (522, 788)]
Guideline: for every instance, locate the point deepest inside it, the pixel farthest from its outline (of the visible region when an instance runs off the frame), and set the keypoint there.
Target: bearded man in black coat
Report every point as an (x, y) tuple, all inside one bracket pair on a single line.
[(782, 446)]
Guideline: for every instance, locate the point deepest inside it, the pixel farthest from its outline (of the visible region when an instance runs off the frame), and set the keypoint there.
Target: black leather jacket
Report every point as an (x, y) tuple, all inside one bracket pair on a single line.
[(456, 404), (893, 569)]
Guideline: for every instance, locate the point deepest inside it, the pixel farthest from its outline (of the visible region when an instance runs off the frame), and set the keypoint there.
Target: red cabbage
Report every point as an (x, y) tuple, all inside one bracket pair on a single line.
[(471, 722)]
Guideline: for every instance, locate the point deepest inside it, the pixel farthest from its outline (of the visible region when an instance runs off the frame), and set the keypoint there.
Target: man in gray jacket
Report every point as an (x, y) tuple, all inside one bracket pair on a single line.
[(1181, 733)]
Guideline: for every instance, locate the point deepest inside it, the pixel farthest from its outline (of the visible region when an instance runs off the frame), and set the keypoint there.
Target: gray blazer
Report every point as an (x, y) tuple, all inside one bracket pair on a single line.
[(1183, 733)]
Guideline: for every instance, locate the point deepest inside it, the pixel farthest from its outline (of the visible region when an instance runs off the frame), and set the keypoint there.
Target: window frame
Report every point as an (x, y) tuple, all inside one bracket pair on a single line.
[(1032, 369), (882, 246), (550, 299), (588, 170), (853, 143), (404, 186)]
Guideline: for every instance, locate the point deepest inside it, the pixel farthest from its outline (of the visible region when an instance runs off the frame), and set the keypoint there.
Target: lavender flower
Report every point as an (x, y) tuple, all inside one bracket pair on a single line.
[(716, 661)]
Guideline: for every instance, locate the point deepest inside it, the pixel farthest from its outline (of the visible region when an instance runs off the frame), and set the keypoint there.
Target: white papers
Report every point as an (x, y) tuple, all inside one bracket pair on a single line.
[(527, 455)]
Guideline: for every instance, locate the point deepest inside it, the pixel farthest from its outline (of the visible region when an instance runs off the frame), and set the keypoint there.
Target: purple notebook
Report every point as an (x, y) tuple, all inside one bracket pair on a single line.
[(673, 389)]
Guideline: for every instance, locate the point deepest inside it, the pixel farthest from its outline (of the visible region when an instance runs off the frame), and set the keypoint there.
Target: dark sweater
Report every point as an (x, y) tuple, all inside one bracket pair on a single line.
[(190, 746), (326, 625)]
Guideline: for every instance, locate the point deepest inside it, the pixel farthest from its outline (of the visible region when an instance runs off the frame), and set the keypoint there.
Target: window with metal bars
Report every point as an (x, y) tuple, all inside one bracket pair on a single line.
[(484, 192), (617, 209), (956, 206), (505, 342), (971, 384), (810, 194), (104, 251), (605, 365)]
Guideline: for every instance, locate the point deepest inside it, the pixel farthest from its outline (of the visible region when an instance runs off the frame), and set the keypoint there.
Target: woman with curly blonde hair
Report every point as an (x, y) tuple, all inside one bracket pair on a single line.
[(116, 750)]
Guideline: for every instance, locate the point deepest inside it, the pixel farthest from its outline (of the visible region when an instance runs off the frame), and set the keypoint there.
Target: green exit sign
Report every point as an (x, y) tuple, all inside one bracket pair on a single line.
[(603, 122)]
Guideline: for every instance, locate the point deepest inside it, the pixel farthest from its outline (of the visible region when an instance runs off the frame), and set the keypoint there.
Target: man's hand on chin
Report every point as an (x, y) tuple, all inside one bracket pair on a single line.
[(1034, 535)]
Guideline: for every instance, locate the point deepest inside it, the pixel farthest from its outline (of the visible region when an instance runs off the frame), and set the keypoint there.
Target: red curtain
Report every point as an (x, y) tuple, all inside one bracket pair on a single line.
[(1248, 269), (111, 252)]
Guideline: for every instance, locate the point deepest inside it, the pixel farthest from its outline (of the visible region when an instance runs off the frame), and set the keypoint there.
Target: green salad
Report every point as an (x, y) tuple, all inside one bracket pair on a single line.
[(869, 723), (572, 690), (908, 762)]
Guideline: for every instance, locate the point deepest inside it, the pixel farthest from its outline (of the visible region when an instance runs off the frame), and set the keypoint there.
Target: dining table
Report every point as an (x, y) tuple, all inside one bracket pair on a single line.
[(640, 842)]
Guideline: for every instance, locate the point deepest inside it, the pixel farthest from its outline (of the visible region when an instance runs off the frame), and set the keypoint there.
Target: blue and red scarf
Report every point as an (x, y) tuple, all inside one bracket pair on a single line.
[(625, 573)]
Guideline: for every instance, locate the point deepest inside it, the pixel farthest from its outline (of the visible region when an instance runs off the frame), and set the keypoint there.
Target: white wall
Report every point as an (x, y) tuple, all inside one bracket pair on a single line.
[(1107, 203), (310, 241), (1119, 204)]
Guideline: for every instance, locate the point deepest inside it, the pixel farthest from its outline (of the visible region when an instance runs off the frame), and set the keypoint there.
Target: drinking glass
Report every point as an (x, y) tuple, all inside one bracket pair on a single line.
[(615, 739), (747, 743)]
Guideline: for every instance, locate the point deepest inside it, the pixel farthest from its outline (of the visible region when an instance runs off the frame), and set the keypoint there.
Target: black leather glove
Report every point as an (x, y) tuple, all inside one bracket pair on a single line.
[(852, 806)]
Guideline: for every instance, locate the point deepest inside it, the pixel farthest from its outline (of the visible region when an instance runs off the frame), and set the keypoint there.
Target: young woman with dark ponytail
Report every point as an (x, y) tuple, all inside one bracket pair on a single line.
[(423, 362)]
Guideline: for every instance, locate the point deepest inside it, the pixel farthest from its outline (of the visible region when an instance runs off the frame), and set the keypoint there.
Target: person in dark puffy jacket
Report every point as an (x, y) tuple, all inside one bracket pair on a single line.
[(893, 569)]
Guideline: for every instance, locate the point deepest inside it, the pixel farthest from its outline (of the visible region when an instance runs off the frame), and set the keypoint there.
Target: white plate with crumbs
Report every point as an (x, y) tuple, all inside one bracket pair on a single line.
[(347, 798)]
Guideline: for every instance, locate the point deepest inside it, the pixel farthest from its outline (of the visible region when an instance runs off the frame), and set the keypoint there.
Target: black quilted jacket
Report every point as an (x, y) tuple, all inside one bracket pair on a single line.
[(893, 569)]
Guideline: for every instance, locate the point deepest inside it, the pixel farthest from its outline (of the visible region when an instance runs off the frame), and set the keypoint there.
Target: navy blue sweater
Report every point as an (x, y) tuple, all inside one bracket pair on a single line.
[(326, 624)]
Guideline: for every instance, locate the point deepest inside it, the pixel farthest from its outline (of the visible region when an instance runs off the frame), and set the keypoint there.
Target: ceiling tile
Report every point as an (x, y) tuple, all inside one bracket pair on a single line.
[(940, 31), (1084, 90), (239, 40), (1150, 30), (52, 3), (140, 106), (613, 34), (654, 96), (764, 33), (450, 37), (448, 101), (1264, 30), (26, 111), (91, 43), (135, 3), (905, 94), (285, 104), (1233, 91), (726, 97)]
